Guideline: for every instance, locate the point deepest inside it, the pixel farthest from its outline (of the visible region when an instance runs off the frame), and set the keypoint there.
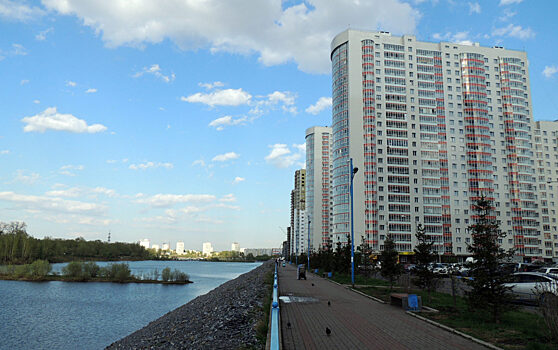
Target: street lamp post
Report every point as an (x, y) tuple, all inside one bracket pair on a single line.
[(353, 172), (308, 243)]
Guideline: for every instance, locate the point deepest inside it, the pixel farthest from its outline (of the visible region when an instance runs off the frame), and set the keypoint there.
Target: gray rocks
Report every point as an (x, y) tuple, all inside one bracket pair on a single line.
[(224, 318)]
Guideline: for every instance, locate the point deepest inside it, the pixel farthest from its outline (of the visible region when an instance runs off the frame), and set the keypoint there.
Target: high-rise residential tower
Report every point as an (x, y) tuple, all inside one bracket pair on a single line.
[(546, 161), (298, 214), (318, 177), (432, 127)]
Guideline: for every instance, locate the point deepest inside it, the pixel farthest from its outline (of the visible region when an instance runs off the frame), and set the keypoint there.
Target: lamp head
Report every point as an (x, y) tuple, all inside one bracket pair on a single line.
[(355, 169)]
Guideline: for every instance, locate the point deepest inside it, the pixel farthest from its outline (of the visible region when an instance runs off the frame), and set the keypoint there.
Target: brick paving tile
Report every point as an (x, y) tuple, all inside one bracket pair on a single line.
[(356, 322)]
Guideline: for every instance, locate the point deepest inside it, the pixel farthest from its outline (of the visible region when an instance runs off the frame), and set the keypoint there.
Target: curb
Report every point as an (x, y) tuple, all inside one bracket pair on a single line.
[(454, 331), (368, 296)]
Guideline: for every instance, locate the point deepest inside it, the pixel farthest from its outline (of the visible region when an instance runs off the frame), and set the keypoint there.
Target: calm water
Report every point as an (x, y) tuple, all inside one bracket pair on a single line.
[(64, 315)]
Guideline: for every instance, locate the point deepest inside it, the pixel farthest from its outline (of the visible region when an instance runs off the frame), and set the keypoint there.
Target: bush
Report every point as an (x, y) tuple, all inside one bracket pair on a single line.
[(166, 274), (40, 268), (90, 269), (121, 272), (73, 269), (116, 272), (179, 276)]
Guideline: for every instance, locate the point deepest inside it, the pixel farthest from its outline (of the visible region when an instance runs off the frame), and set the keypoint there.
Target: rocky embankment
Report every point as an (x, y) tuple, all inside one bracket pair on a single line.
[(225, 318)]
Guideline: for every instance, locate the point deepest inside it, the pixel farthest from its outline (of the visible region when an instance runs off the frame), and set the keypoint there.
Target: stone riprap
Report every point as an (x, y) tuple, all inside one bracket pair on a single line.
[(225, 318)]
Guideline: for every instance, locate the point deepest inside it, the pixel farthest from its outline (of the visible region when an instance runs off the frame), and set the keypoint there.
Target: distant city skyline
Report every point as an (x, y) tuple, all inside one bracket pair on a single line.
[(185, 124)]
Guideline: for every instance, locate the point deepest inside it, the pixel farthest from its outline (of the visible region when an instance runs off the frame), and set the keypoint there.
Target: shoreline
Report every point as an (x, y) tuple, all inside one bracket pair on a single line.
[(52, 278), (227, 317)]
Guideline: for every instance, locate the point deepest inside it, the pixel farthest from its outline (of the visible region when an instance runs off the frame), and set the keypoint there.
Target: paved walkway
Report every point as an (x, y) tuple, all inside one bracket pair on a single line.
[(356, 322)]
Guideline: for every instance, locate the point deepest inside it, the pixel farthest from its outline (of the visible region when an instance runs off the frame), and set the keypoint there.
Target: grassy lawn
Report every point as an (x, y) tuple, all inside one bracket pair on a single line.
[(517, 329), (345, 278)]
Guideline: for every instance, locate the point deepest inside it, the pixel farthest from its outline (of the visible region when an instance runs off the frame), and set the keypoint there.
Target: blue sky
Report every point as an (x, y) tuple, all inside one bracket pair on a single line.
[(184, 120)]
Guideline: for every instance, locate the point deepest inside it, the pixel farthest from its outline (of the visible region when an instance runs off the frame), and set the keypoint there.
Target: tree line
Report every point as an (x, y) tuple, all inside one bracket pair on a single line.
[(18, 247)]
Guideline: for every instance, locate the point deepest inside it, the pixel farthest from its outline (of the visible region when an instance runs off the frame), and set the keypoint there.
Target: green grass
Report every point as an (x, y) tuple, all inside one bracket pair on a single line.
[(345, 278), (517, 329), (263, 324)]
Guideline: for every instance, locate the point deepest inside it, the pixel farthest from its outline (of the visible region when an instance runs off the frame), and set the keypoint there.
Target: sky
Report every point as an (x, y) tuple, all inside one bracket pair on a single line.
[(182, 120)]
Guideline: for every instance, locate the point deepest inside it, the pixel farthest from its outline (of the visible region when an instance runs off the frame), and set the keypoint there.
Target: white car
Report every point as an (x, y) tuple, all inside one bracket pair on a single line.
[(549, 270), (530, 286)]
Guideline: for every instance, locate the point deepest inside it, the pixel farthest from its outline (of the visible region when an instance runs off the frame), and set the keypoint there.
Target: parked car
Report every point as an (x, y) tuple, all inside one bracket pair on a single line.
[(549, 270), (530, 286), (439, 268)]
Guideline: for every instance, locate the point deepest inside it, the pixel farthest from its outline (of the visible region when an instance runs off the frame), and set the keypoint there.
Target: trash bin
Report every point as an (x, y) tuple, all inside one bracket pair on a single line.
[(301, 272)]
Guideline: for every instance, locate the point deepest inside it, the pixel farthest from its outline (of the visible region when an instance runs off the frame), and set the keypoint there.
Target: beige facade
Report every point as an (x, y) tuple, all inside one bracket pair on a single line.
[(318, 186)]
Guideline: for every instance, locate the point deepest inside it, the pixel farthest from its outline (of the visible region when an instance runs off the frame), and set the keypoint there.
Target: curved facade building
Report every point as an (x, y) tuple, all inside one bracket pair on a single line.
[(432, 127)]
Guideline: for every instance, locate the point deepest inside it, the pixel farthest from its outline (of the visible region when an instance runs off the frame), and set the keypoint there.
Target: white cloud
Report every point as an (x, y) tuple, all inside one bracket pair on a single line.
[(24, 81), (507, 15), (474, 7), (66, 169), (147, 165), (238, 180), (509, 2), (31, 202), (5, 151), (168, 200), (199, 162), (73, 192), (210, 86), (42, 35), (18, 50), (549, 71), (28, 179), (225, 156), (220, 123), (514, 32), (50, 119), (282, 157), (320, 105), (228, 198), (36, 102), (156, 71), (458, 38), (276, 31), (19, 11), (227, 97), (285, 97), (71, 83), (91, 91)]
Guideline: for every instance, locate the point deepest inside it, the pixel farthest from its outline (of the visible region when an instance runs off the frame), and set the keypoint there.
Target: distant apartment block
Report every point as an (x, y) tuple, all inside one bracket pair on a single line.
[(207, 248), (145, 243), (165, 246), (180, 248), (235, 247), (318, 187), (433, 127)]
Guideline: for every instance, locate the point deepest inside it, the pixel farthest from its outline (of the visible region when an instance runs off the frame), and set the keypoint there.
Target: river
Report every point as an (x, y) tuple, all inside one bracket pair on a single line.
[(92, 315)]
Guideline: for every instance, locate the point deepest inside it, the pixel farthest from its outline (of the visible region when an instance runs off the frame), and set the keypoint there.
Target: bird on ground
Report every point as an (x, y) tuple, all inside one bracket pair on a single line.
[(328, 303), (288, 325), (328, 331)]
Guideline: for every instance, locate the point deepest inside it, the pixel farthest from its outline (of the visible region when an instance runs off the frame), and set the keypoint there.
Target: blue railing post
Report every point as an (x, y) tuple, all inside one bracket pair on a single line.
[(274, 344)]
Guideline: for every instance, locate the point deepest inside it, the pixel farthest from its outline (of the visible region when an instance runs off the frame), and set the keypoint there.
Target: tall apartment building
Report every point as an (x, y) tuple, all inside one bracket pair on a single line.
[(299, 234), (318, 177), (432, 127), (546, 161)]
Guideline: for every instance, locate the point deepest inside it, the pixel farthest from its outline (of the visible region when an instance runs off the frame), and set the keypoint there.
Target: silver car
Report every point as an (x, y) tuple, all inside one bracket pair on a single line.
[(531, 286)]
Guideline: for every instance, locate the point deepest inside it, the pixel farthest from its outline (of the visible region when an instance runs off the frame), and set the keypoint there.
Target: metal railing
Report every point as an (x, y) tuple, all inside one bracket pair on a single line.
[(274, 344)]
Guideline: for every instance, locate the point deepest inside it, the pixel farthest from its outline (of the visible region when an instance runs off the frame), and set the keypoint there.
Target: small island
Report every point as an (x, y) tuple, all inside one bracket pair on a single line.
[(77, 271)]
